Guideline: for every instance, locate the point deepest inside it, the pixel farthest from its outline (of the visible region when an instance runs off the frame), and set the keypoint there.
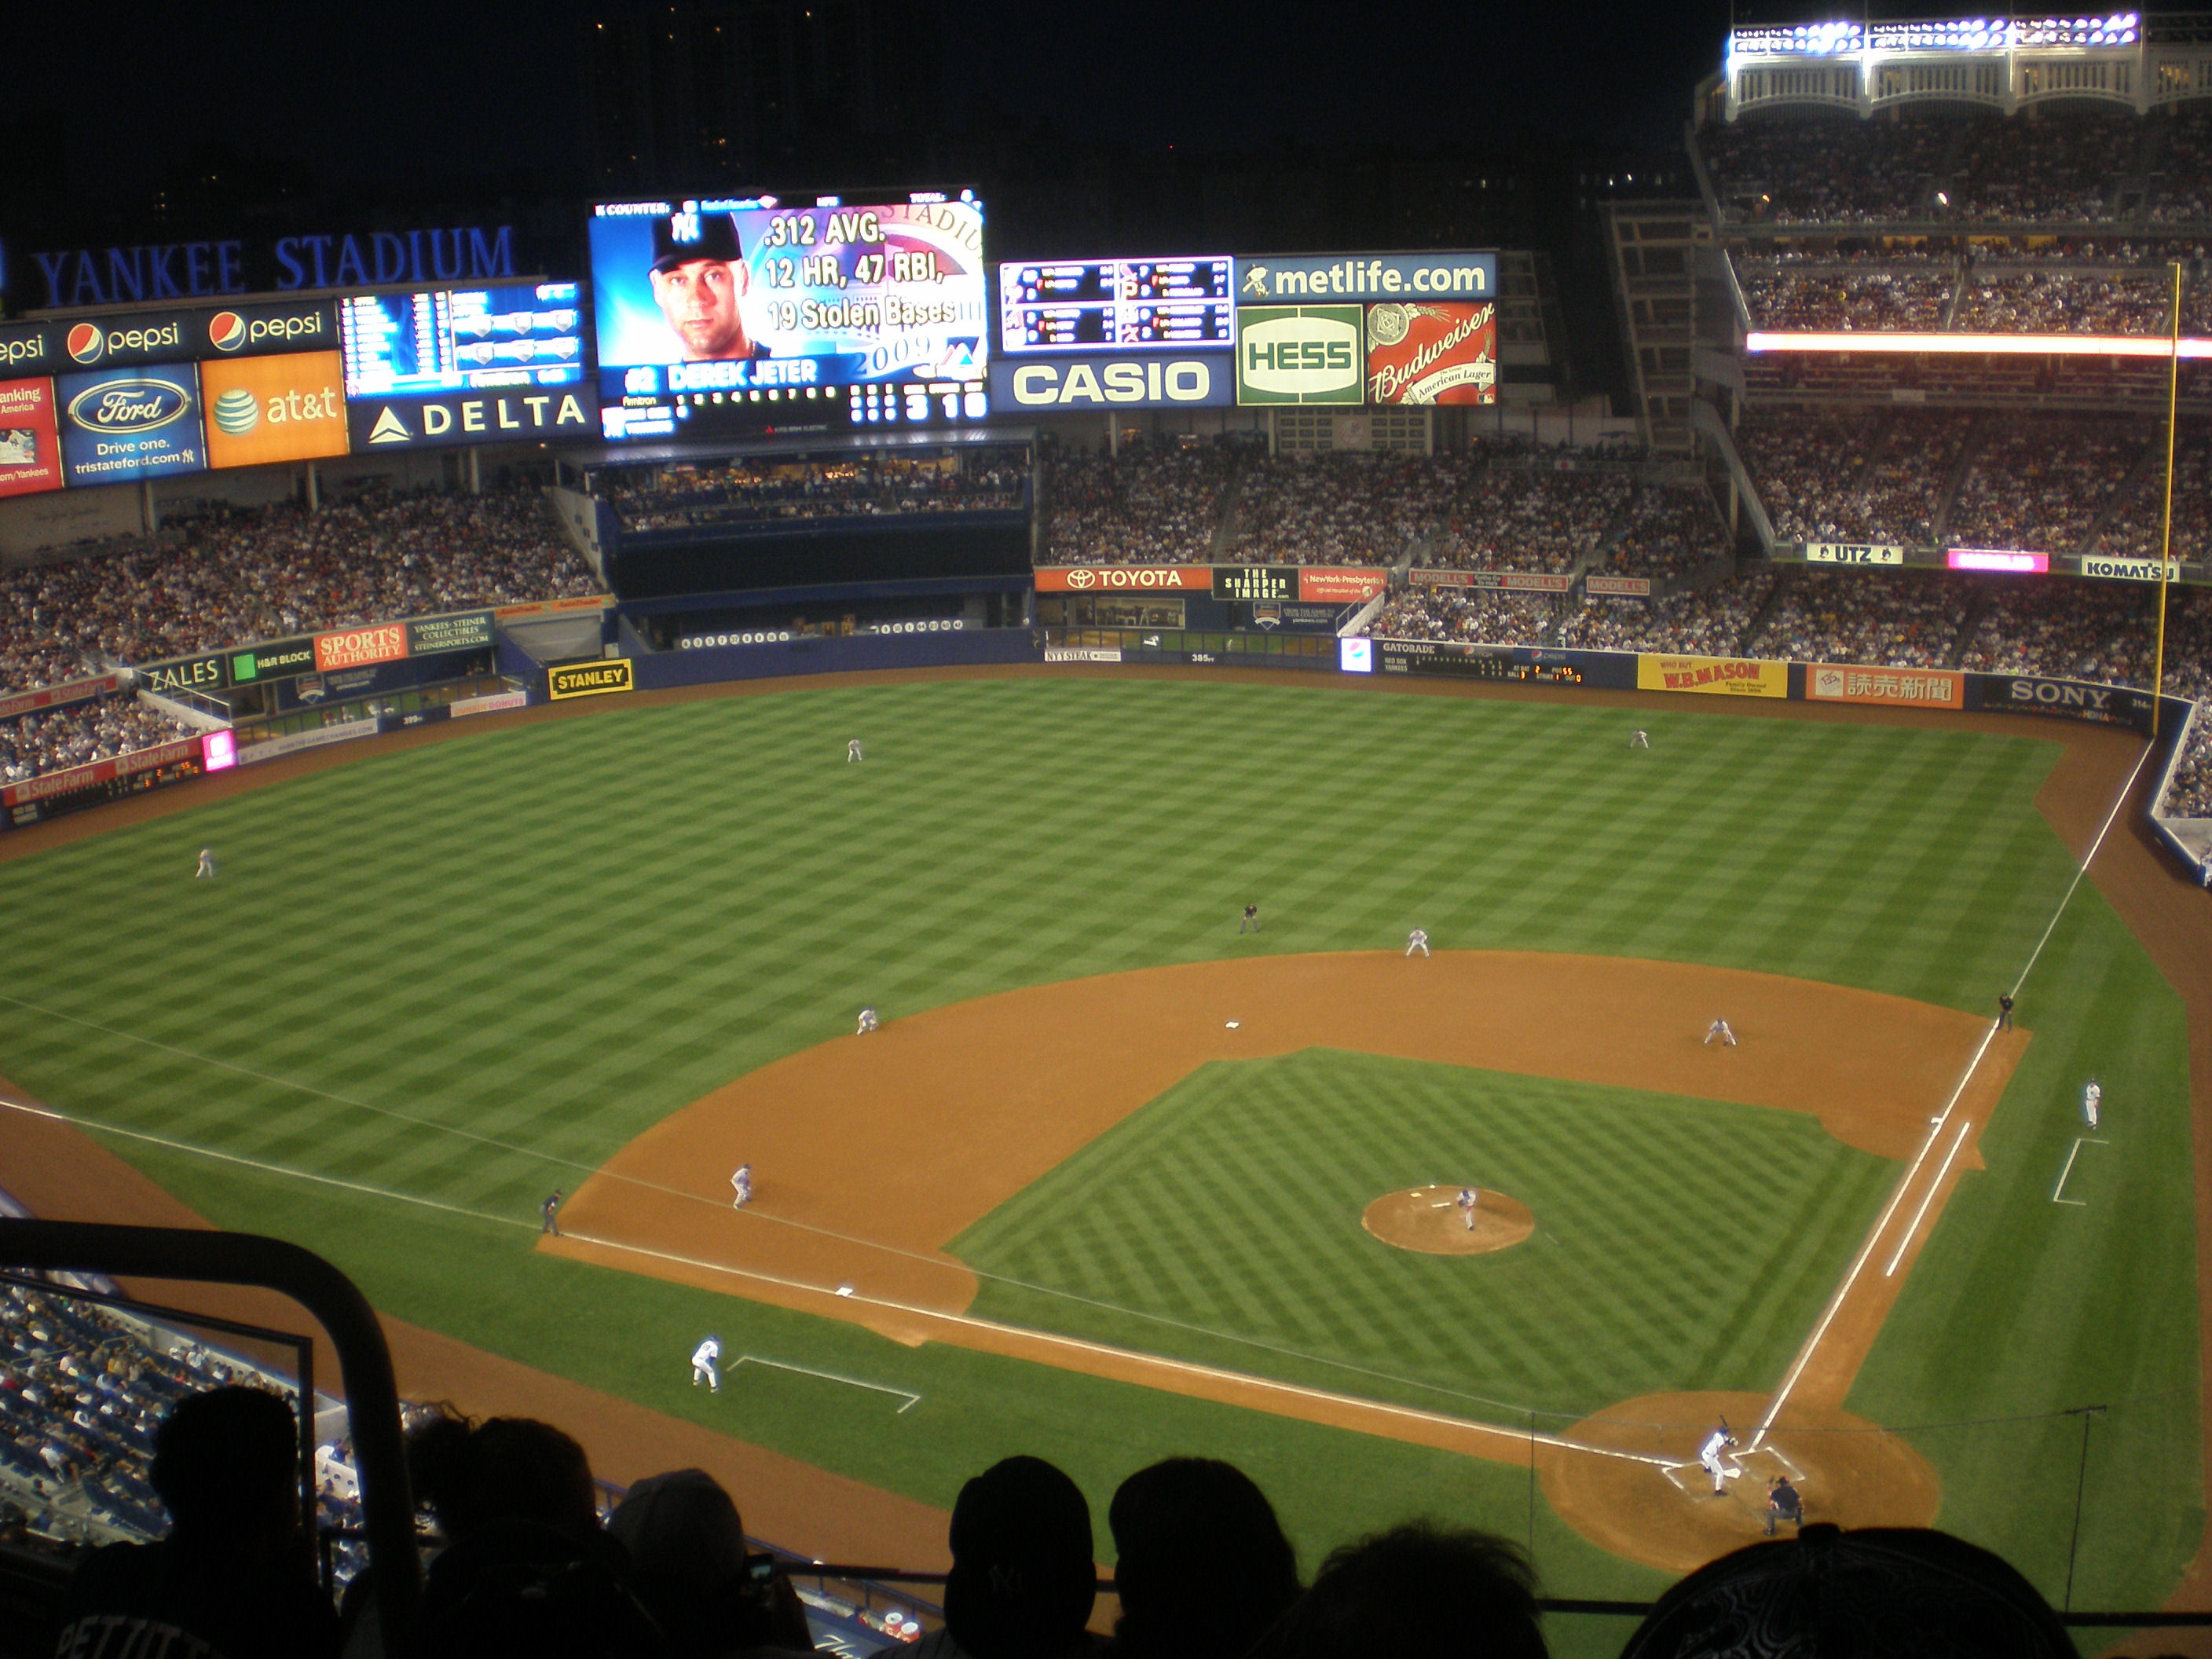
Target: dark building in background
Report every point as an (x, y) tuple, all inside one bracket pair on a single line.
[(707, 93)]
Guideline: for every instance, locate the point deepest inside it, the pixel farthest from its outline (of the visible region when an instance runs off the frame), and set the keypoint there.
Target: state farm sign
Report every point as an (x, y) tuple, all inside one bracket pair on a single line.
[(1126, 579), (361, 648)]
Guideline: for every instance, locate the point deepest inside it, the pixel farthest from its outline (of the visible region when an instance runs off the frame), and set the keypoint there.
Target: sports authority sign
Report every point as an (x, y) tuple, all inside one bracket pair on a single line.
[(1432, 354), (1300, 355), (1828, 681), (1126, 579), (1735, 677), (361, 648)]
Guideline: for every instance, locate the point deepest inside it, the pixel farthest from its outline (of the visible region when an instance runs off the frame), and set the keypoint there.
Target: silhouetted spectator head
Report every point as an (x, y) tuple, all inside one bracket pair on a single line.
[(1203, 1568), (689, 1567), (506, 1468), (1898, 1592), (228, 1461), (1416, 1588), (1023, 1580)]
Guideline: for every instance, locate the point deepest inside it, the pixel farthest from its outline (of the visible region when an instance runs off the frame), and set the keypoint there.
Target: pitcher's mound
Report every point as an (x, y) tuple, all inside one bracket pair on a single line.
[(1429, 1219)]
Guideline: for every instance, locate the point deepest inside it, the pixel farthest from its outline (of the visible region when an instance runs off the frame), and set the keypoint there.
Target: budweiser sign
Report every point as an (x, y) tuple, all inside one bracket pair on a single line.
[(361, 648), (1126, 579), (1432, 354)]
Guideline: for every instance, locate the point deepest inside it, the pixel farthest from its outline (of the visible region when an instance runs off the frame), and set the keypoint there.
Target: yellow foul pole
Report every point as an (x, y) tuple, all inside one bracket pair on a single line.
[(2165, 532)]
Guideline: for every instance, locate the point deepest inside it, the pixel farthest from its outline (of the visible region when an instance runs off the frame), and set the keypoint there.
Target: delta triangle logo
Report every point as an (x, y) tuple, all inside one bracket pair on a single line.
[(390, 430)]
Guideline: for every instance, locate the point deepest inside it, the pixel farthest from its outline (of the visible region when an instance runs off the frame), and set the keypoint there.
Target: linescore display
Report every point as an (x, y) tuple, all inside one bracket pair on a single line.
[(462, 339), (1182, 303), (751, 312)]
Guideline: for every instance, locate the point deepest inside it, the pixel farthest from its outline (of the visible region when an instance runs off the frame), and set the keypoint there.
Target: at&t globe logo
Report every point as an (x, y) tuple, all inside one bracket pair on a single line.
[(237, 412)]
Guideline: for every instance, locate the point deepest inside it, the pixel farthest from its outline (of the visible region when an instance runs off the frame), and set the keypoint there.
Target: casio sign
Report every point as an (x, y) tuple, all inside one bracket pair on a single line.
[(1038, 386), (129, 405)]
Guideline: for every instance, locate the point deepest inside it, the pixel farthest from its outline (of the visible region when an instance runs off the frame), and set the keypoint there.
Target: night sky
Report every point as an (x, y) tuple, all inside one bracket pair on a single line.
[(349, 90)]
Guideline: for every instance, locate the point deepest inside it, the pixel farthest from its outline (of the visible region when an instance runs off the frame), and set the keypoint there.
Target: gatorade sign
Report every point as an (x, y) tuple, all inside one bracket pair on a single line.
[(1163, 379), (1300, 355)]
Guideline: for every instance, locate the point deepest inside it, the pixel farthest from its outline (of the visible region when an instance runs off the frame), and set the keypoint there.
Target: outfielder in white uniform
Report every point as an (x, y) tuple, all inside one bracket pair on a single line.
[(207, 864), (853, 750), (868, 1022), (703, 1364), (1418, 940), (1710, 1455), (1719, 1028), (1639, 739), (2092, 1096), (742, 1184)]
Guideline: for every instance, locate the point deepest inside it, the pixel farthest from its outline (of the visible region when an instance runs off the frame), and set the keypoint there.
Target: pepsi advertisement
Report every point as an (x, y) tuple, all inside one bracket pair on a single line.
[(168, 337), (117, 425), (755, 314)]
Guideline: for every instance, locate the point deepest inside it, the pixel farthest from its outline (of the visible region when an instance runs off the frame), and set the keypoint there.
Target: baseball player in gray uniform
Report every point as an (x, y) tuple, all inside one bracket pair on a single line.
[(1418, 940)]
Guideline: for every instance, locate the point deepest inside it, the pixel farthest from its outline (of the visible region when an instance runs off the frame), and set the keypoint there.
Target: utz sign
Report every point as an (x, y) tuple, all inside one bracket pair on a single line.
[(1301, 354)]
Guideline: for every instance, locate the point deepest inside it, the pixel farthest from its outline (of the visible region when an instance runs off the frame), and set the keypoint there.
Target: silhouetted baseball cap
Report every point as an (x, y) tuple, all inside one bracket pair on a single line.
[(683, 237), (1023, 1580)]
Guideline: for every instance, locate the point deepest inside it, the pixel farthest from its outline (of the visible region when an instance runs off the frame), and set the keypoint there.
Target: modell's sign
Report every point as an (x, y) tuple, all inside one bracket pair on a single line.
[(361, 648), (1126, 579)]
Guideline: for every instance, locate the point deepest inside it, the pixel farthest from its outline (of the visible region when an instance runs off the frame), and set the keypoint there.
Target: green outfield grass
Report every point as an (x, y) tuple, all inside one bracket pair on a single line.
[(464, 973)]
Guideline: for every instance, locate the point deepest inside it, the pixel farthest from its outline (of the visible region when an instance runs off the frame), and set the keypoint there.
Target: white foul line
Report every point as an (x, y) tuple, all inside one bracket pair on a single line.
[(1929, 1197), (911, 1398), (1858, 1262)]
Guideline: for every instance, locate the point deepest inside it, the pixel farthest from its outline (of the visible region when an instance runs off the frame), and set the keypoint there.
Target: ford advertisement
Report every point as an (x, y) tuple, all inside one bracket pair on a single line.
[(131, 424)]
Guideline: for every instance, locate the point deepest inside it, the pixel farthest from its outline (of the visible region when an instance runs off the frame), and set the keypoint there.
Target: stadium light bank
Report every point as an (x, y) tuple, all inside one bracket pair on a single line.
[(2014, 345)]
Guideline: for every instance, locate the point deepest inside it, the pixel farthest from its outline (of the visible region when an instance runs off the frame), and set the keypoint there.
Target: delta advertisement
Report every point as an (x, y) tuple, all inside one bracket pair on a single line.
[(1721, 676), (30, 441), (274, 409), (706, 306), (132, 423), (1426, 353), (520, 416)]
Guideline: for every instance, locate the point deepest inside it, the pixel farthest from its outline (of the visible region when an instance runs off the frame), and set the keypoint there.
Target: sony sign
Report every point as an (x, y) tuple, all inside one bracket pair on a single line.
[(1163, 379)]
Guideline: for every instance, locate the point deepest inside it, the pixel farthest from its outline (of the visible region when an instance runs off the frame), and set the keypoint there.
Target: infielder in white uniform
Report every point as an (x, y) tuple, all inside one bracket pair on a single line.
[(1639, 739), (207, 864), (742, 1184), (2092, 1096), (1719, 1028), (1417, 941), (1710, 1455), (853, 750), (868, 1022), (703, 1364)]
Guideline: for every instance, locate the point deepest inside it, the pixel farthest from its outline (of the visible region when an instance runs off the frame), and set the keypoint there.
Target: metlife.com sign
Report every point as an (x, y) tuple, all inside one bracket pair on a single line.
[(1150, 379)]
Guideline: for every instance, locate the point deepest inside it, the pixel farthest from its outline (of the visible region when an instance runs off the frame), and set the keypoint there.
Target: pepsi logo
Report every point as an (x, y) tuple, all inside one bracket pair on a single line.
[(86, 343), (226, 330), (129, 405)]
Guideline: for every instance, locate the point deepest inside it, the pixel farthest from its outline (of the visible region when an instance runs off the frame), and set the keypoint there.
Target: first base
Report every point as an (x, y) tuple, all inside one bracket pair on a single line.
[(1234, 1024)]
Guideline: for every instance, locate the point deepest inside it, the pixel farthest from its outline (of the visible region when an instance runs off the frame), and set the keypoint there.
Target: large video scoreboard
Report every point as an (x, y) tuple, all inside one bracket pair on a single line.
[(1104, 305), (755, 313)]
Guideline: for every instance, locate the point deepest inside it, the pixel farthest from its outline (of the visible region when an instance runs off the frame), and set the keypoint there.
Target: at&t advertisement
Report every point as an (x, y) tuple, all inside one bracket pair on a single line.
[(30, 447), (755, 311), (1431, 353), (274, 409), (131, 424)]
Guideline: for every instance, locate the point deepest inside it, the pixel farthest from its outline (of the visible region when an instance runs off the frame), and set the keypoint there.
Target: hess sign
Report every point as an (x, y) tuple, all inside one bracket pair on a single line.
[(1255, 583)]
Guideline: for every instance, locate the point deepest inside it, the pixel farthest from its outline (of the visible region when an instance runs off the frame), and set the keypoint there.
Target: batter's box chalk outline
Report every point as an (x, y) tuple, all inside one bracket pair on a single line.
[(2073, 1152), (912, 1399)]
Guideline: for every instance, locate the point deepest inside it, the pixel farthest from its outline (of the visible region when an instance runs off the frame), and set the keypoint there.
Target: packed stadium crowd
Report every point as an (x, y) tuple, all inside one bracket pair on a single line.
[(1519, 517), (1854, 476), (2043, 483), (55, 739), (744, 490), (1359, 509), (1152, 504), (226, 576)]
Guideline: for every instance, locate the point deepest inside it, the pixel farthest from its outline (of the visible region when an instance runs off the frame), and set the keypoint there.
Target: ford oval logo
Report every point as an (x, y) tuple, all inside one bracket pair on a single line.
[(129, 405)]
